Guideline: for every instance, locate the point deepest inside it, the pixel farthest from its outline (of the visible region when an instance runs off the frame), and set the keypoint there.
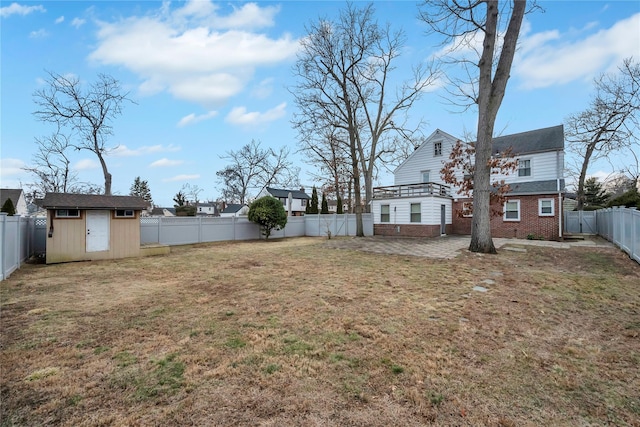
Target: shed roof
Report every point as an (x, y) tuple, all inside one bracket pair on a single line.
[(92, 201), (296, 194)]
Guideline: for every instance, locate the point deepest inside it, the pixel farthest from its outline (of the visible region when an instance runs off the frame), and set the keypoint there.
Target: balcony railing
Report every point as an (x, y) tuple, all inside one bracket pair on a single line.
[(412, 190)]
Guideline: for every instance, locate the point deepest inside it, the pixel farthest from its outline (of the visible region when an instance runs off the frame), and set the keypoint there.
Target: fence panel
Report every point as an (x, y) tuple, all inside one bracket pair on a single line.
[(621, 226), (16, 242)]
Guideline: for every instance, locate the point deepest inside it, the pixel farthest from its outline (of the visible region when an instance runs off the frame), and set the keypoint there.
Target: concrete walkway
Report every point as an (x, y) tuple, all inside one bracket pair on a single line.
[(446, 247)]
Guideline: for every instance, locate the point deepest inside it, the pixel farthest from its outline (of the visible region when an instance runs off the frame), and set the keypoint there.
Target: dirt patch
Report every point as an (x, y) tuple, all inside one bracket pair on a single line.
[(293, 332)]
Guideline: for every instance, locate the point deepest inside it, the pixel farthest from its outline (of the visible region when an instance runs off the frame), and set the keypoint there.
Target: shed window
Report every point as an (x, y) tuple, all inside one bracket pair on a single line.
[(385, 216), (415, 212), (125, 213), (67, 213)]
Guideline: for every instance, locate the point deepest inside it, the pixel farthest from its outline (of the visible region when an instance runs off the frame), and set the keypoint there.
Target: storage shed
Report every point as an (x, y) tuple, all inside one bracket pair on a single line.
[(92, 227)]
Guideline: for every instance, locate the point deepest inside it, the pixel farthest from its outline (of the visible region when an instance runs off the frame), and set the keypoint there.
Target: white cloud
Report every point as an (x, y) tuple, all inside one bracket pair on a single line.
[(10, 167), (60, 20), (86, 164), (263, 89), (38, 34), (18, 9), (124, 151), (550, 58), (194, 52), (193, 119), (181, 178), (165, 163), (240, 116), (77, 22)]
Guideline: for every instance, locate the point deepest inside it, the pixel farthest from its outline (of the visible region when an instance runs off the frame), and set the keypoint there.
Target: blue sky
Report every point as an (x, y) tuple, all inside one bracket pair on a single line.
[(209, 77)]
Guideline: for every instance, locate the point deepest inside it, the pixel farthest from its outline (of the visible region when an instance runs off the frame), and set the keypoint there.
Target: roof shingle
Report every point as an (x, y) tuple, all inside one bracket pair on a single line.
[(92, 201)]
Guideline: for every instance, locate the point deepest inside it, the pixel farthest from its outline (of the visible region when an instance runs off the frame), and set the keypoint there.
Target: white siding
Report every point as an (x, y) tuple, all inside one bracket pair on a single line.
[(410, 172), (544, 166), (400, 210)]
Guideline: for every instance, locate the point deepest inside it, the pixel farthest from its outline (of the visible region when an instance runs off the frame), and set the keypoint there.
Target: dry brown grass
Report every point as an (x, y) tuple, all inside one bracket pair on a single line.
[(292, 332)]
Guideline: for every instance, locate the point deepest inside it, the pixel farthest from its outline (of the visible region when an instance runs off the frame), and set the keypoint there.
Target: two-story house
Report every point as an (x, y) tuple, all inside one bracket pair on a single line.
[(420, 203), (299, 199)]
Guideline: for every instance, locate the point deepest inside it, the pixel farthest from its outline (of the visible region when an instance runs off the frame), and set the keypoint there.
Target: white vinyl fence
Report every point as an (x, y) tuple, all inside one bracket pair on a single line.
[(20, 237), (621, 226), (186, 230)]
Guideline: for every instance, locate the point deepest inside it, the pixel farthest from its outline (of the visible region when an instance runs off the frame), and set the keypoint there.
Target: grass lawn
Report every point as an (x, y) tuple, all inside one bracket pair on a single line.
[(292, 332)]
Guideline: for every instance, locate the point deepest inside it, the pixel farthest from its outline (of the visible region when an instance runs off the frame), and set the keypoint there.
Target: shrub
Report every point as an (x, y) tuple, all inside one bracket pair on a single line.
[(629, 199), (268, 213), (325, 205), (8, 208)]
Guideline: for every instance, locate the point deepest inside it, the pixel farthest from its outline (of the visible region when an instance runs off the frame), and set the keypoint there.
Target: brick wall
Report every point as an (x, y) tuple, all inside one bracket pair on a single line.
[(409, 230), (530, 222)]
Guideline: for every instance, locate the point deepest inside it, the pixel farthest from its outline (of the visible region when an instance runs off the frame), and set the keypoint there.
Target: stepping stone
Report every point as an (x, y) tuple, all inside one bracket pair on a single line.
[(480, 289), (489, 282), (509, 248)]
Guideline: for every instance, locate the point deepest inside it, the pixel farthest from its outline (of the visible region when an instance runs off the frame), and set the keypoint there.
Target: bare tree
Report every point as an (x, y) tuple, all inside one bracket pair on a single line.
[(51, 168), (253, 168), (609, 124), (87, 112), (458, 20), (343, 71)]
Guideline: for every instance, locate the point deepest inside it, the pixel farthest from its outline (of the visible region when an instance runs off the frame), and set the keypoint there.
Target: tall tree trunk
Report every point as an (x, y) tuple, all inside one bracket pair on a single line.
[(491, 91), (107, 175)]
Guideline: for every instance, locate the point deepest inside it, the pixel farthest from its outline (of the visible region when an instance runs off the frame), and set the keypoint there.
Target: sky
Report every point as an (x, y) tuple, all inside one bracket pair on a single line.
[(209, 77)]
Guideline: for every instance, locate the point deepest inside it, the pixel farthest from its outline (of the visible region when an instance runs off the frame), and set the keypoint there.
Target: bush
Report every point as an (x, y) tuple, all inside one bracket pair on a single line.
[(269, 214), (8, 208), (629, 199)]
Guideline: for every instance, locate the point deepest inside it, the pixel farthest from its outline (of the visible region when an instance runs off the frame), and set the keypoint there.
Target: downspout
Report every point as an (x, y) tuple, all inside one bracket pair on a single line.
[(559, 190)]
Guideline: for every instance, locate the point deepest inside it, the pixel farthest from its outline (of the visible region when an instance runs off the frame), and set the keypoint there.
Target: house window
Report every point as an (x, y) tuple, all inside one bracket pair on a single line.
[(545, 207), (512, 210), (304, 202), (415, 212), (126, 213), (425, 176), (524, 167), (437, 148), (67, 213), (385, 215), (284, 201), (467, 209)]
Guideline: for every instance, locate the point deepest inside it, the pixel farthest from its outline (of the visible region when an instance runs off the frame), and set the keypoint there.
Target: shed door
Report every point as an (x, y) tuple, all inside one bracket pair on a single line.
[(98, 231)]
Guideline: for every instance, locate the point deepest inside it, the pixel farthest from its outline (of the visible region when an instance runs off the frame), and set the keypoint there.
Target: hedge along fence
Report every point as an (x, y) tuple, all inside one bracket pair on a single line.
[(186, 230)]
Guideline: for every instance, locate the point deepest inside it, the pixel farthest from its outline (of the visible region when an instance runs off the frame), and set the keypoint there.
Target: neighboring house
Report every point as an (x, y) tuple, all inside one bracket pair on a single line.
[(156, 211), (299, 199), (422, 204), (333, 206), (17, 198), (92, 227), (207, 209), (235, 209)]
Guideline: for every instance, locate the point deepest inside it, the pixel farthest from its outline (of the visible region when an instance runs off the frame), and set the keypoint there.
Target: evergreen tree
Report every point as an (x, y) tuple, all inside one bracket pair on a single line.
[(8, 208), (594, 193), (140, 188), (314, 201), (339, 207), (325, 205)]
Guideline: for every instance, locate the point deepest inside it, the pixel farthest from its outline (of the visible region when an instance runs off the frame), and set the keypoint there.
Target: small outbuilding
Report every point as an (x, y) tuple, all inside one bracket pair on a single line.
[(82, 227)]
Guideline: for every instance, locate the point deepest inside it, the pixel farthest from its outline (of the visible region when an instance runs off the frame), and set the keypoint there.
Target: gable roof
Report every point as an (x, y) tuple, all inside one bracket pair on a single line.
[(435, 135), (9, 193), (92, 201), (533, 141), (233, 208), (296, 194)]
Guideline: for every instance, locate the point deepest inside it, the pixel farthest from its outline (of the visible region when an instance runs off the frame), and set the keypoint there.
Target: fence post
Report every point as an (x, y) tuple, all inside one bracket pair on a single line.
[(3, 246), (159, 229)]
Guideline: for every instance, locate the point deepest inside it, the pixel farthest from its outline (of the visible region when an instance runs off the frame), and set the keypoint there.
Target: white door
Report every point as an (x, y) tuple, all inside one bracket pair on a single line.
[(97, 231)]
